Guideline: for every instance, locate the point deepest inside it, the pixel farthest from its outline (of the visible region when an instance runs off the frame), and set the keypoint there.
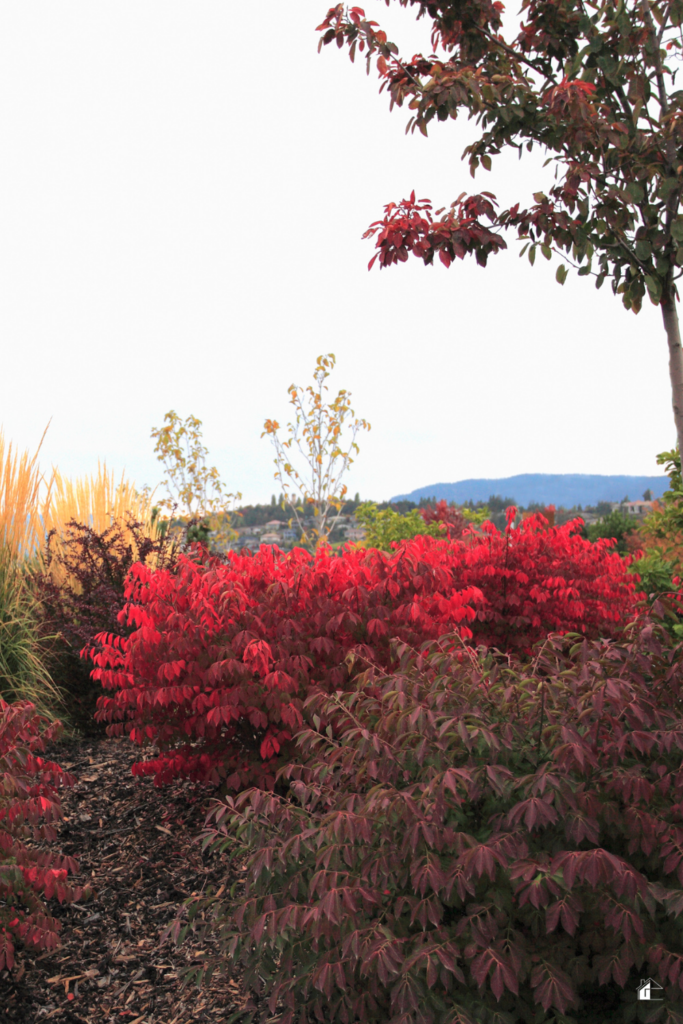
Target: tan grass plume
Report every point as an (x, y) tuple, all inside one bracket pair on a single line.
[(20, 480)]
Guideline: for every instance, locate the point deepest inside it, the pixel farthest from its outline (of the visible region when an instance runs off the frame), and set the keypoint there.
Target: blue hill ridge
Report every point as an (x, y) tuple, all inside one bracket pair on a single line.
[(560, 489)]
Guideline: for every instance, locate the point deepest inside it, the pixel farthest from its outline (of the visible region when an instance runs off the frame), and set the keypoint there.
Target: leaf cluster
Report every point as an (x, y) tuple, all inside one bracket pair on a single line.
[(455, 521), (660, 542), (29, 808), (665, 522)]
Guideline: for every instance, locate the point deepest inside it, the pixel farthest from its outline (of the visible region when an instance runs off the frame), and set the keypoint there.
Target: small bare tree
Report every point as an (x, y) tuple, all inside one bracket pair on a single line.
[(316, 440), (198, 489)]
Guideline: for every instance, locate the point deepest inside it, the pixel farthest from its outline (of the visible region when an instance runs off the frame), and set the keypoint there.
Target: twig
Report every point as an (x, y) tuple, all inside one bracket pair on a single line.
[(540, 726)]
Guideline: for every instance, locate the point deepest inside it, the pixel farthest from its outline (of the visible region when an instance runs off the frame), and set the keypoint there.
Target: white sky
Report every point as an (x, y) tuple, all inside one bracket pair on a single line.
[(183, 189)]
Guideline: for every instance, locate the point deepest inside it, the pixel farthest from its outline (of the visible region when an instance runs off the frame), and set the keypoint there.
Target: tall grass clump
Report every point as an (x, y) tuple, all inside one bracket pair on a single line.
[(64, 555), (20, 482), (24, 649)]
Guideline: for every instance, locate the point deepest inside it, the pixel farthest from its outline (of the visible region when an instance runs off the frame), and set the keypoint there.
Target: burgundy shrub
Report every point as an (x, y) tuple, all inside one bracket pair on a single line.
[(474, 841)]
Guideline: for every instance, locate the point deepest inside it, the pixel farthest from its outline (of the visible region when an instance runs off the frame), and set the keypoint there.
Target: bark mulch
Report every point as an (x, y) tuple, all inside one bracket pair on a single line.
[(135, 846)]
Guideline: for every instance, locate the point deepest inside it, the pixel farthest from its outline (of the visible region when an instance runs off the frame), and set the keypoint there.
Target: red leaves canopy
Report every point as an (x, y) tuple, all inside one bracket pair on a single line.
[(224, 652), (410, 227)]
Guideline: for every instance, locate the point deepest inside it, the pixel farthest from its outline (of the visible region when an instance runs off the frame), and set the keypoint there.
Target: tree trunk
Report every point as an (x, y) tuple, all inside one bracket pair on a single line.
[(673, 337)]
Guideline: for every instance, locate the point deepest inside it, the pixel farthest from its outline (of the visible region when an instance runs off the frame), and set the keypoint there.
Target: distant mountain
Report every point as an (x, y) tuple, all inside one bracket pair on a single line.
[(559, 489)]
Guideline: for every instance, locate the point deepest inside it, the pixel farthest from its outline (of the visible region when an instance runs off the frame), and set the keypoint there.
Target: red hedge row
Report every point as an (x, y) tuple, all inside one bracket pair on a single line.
[(225, 650), (29, 804)]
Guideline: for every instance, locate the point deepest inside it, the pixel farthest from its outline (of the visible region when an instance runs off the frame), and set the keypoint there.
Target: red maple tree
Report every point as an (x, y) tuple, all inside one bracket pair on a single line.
[(595, 88)]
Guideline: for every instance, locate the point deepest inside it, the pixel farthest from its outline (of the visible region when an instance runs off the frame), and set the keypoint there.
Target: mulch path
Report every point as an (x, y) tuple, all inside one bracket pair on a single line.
[(136, 847)]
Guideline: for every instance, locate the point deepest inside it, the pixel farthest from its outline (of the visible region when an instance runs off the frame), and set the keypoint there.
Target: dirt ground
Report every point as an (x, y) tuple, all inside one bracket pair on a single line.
[(135, 846)]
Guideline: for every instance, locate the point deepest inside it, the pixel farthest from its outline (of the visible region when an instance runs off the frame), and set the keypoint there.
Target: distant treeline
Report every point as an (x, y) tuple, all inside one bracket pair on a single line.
[(259, 515)]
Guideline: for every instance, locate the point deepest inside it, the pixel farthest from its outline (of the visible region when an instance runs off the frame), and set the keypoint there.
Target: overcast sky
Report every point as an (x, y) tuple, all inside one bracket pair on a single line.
[(183, 190)]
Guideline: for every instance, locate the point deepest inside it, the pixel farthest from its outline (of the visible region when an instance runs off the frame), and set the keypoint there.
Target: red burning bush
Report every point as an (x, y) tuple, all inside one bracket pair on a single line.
[(223, 652), (539, 579), (29, 805), (474, 841), (454, 522)]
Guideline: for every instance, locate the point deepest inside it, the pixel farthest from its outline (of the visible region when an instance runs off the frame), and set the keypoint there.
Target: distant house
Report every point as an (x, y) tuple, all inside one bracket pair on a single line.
[(251, 543), (632, 508), (270, 538), (273, 525), (355, 533)]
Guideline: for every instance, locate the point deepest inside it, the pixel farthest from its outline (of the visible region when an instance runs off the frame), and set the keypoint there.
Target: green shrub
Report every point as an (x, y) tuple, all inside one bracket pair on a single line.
[(656, 573), (384, 527), (665, 521), (616, 525), (479, 843)]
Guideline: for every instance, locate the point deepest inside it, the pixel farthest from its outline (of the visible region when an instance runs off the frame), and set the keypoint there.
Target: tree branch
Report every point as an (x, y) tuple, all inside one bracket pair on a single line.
[(516, 55), (663, 98)]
